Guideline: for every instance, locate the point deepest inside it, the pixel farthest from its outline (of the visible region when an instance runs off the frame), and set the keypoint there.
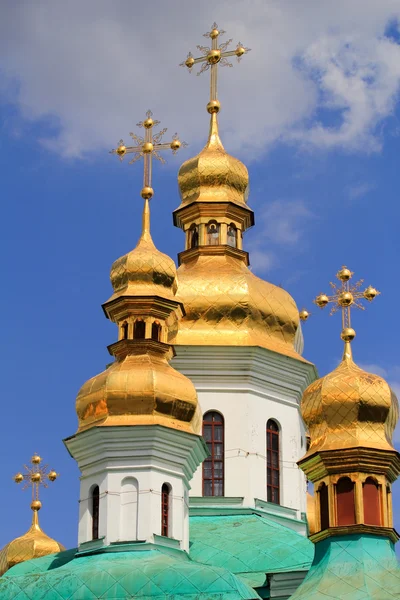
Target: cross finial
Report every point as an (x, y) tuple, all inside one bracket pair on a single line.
[(213, 56), (148, 147), (345, 297), (35, 476)]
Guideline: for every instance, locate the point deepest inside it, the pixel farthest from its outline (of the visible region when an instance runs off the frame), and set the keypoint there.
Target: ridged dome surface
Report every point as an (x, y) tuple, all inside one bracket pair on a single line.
[(350, 408), (141, 389), (226, 304), (213, 175)]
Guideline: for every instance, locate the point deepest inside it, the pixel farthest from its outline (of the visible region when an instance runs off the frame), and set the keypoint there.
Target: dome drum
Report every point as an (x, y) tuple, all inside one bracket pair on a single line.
[(123, 307)]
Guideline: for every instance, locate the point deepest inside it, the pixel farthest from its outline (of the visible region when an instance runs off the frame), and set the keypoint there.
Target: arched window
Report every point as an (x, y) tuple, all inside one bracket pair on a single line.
[(139, 329), (124, 330), (95, 501), (232, 235), (323, 506), (129, 509), (193, 236), (372, 503), (213, 466), (165, 491), (212, 233), (273, 475), (156, 331), (345, 508)]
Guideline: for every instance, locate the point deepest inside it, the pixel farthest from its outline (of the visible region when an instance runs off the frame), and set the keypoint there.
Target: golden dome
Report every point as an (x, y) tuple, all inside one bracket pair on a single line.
[(213, 175), (145, 270), (227, 305), (140, 389), (349, 408), (34, 544)]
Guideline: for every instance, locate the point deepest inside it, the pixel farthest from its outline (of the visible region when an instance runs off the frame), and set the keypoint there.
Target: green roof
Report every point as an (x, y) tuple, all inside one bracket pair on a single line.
[(140, 573), (352, 567), (249, 545)]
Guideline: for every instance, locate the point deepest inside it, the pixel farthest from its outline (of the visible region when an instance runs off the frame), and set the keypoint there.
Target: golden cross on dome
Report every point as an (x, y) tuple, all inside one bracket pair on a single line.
[(35, 476), (345, 297), (148, 147), (212, 57)]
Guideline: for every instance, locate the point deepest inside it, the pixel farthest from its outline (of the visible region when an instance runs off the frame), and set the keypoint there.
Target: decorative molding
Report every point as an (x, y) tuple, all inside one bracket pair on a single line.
[(359, 529)]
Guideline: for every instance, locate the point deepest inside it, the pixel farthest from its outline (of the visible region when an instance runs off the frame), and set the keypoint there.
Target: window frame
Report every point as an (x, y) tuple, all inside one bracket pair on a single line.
[(273, 489), (211, 461)]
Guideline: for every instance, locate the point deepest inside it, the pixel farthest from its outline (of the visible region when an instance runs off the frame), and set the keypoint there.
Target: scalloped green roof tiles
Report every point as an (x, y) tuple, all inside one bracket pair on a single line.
[(352, 567), (121, 575)]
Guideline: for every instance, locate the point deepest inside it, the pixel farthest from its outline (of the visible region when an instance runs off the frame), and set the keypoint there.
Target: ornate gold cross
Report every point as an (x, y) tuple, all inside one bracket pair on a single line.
[(147, 147), (346, 296), (212, 57), (35, 476)]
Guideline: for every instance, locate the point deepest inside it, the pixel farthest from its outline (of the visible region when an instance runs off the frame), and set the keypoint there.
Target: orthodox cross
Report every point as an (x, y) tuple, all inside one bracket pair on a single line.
[(35, 476), (148, 147), (212, 57), (346, 296)]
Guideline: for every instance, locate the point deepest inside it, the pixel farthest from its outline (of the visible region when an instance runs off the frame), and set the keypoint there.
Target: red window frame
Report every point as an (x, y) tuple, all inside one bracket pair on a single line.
[(165, 510), (273, 467), (213, 466), (95, 512)]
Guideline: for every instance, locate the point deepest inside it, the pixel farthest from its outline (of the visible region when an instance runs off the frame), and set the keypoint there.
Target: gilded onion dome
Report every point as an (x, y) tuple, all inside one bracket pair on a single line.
[(33, 544), (349, 408), (140, 387)]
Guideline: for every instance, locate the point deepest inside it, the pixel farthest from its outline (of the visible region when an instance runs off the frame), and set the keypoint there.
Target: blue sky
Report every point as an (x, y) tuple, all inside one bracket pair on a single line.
[(312, 110)]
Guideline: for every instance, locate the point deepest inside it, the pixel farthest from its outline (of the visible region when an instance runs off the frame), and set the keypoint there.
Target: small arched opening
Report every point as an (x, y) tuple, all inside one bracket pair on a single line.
[(139, 329), (124, 330), (156, 331), (165, 510), (323, 506), (372, 502), (193, 236), (273, 471), (345, 505), (95, 511)]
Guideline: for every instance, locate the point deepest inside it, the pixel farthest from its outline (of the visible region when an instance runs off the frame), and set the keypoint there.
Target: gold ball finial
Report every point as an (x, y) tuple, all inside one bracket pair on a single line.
[(240, 50), (36, 505), (175, 144), (344, 274), (348, 334), (213, 106), (36, 460), (147, 192), (370, 293), (189, 62), (52, 476), (304, 314), (214, 33), (213, 57), (148, 123), (121, 150), (321, 300), (18, 478), (345, 299), (147, 148), (36, 477)]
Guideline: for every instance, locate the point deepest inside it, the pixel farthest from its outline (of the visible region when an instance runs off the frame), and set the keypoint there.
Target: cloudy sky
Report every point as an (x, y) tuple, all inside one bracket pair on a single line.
[(312, 110)]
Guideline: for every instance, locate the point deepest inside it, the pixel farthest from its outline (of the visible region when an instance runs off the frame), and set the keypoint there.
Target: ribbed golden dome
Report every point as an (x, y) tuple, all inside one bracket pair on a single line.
[(349, 408), (140, 389), (145, 270), (213, 175), (227, 305), (33, 544)]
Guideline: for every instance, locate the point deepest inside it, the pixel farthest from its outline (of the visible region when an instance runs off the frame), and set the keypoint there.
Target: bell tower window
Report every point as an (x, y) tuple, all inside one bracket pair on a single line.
[(139, 329), (165, 491), (212, 233), (273, 471), (156, 331), (232, 236), (345, 502), (95, 501), (124, 330), (213, 466), (323, 506), (193, 236), (372, 503)]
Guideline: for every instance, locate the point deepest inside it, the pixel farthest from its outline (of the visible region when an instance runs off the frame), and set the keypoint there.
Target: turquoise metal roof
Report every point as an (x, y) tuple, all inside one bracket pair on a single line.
[(249, 545), (121, 575), (352, 567)]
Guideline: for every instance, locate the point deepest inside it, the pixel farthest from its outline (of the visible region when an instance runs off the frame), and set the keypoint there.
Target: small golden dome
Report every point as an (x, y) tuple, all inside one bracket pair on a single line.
[(349, 408), (226, 304), (34, 544), (145, 270), (213, 175), (141, 389)]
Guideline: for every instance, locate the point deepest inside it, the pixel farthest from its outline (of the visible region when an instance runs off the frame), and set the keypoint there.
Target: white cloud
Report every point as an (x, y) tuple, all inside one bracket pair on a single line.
[(359, 190), (320, 73)]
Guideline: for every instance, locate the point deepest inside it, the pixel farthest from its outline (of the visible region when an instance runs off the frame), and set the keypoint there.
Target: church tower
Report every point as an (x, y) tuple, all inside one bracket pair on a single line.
[(240, 340), (138, 441)]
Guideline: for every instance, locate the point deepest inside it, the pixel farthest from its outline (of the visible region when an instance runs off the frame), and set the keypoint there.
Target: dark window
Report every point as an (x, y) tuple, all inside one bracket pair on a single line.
[(125, 331), (213, 466), (95, 512), (345, 502), (273, 475), (324, 506), (232, 235), (139, 329), (165, 510), (194, 237), (156, 331), (372, 504)]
